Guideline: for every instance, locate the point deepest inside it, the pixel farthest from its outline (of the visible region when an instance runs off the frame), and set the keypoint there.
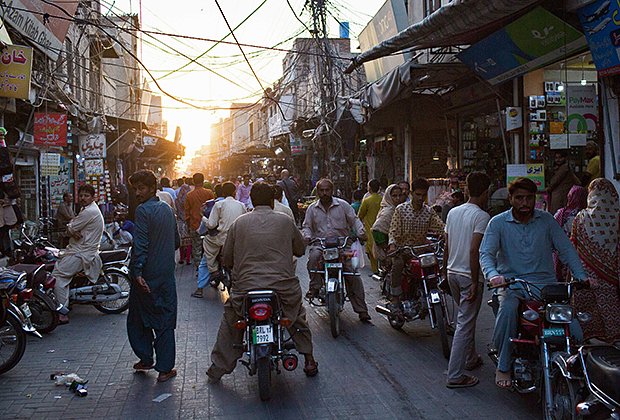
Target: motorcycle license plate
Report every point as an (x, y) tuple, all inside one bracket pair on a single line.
[(333, 265), (26, 310), (263, 334), (553, 332)]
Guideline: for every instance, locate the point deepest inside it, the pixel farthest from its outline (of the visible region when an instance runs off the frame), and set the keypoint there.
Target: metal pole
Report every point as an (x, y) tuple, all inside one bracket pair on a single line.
[(501, 128)]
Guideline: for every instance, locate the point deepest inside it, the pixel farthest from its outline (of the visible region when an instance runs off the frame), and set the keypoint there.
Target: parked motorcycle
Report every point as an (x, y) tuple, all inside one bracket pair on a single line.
[(333, 291), (14, 319), (264, 340), (543, 344), (421, 294), (42, 304)]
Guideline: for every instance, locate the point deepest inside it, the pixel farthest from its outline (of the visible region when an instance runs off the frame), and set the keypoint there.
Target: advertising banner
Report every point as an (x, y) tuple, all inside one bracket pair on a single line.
[(50, 129), (533, 171), (93, 146), (93, 167), (50, 164), (582, 109), (602, 30), (15, 72), (533, 40)]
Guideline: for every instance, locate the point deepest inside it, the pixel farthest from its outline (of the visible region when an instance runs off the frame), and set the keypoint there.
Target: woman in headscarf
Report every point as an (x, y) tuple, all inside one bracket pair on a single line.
[(595, 235), (381, 227), (576, 200), (185, 251)]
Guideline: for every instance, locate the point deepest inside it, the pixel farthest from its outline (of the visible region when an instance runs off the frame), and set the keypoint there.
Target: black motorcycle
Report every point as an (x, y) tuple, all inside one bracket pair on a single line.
[(264, 341), (42, 304)]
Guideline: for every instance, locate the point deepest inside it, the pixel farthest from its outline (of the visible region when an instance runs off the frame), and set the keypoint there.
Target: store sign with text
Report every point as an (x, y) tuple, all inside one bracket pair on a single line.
[(92, 146), (15, 72), (602, 29), (533, 171), (93, 167), (532, 41), (50, 129)]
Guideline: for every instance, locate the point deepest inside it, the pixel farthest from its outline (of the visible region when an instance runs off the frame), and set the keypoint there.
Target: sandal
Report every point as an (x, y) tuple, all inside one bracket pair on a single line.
[(197, 293), (503, 379), (475, 365), (464, 382), (143, 366), (311, 368)]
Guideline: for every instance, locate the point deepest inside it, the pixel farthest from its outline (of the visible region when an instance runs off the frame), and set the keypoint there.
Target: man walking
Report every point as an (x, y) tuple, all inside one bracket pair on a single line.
[(260, 248), (82, 253), (465, 227), (193, 214), (368, 214), (291, 192), (243, 192), (152, 314)]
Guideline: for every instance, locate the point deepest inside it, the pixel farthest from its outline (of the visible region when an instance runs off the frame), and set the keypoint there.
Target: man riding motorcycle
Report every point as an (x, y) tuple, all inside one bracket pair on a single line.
[(82, 253), (331, 217), (519, 243), (260, 248), (411, 223)]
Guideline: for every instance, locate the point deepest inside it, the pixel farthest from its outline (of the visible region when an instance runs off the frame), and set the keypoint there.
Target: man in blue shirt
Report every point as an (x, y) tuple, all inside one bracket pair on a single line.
[(519, 243)]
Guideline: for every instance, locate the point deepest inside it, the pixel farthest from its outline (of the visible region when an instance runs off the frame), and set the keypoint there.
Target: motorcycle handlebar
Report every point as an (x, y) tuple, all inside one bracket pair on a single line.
[(347, 240)]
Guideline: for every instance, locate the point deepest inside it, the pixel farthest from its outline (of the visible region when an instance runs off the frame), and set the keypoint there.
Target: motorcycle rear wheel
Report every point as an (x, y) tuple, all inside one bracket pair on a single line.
[(120, 305), (44, 316), (12, 343), (334, 313), (440, 319), (263, 368)]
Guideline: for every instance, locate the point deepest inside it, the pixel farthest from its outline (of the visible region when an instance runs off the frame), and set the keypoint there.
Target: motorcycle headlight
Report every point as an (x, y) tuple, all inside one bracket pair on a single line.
[(428, 260), (330, 254), (562, 314)]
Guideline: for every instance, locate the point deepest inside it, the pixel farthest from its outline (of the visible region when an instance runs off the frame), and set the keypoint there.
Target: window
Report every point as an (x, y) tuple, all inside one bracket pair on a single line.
[(430, 6)]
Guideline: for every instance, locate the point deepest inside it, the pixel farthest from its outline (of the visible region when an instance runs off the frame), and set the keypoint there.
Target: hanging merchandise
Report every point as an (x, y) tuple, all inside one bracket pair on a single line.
[(8, 184)]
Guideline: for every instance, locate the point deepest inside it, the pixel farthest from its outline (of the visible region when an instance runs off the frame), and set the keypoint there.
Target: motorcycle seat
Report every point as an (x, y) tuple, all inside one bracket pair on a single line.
[(112, 256), (603, 366)]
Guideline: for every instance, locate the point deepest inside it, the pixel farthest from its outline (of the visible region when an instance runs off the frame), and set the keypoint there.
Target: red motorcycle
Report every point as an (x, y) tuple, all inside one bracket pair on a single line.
[(421, 294)]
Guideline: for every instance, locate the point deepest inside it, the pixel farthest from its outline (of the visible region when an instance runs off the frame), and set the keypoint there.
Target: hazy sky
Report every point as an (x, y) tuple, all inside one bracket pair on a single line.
[(270, 25)]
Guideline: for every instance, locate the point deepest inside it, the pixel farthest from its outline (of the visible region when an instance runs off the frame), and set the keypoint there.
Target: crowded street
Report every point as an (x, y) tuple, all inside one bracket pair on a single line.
[(371, 371)]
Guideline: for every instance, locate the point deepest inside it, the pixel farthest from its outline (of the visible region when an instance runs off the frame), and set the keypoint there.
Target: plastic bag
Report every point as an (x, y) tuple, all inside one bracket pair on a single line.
[(358, 258)]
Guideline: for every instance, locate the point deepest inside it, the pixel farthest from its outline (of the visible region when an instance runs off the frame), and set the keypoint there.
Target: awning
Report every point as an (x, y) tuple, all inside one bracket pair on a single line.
[(460, 22)]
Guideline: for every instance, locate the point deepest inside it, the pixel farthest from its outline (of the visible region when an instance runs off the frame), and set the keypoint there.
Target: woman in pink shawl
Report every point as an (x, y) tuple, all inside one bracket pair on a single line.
[(577, 200), (595, 235), (185, 250)]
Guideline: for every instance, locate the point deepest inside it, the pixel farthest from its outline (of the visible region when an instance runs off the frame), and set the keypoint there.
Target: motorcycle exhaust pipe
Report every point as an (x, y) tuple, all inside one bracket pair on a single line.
[(290, 362), (383, 310)]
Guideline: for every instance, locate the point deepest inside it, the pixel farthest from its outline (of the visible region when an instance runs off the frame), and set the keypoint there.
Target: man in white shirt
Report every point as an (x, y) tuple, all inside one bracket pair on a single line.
[(222, 216), (465, 228)]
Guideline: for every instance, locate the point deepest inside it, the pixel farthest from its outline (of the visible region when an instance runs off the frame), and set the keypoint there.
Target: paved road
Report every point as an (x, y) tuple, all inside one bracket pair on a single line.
[(371, 371)]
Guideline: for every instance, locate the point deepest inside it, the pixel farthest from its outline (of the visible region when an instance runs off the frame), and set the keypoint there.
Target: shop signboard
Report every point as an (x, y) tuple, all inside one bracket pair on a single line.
[(297, 147), (50, 129), (50, 164), (15, 71), (93, 167), (602, 29), (92, 146), (514, 118), (28, 17), (530, 42), (533, 171)]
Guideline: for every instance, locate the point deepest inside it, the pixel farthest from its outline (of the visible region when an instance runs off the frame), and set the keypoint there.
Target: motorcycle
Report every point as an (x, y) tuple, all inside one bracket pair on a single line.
[(543, 344), (333, 291), (14, 317), (422, 268), (595, 370), (264, 340), (42, 304)]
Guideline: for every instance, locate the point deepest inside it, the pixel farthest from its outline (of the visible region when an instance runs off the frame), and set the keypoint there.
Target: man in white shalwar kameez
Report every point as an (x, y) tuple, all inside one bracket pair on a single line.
[(82, 253)]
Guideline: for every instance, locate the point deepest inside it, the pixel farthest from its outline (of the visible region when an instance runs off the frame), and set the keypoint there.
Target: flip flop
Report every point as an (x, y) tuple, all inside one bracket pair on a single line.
[(503, 379), (464, 382), (197, 294)]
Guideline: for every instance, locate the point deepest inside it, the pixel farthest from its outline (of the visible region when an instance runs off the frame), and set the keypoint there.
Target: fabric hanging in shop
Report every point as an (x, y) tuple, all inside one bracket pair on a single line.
[(460, 22)]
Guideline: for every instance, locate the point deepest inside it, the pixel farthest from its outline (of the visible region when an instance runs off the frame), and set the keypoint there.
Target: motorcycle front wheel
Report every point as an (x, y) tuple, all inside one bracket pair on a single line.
[(263, 368), (440, 320), (119, 305), (334, 313), (12, 343), (564, 397), (44, 316)]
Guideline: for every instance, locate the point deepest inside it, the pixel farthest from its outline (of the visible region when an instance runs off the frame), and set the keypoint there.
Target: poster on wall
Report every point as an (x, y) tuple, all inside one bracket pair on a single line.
[(93, 167), (514, 118), (533, 171), (15, 71), (92, 146), (582, 109), (50, 129)]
